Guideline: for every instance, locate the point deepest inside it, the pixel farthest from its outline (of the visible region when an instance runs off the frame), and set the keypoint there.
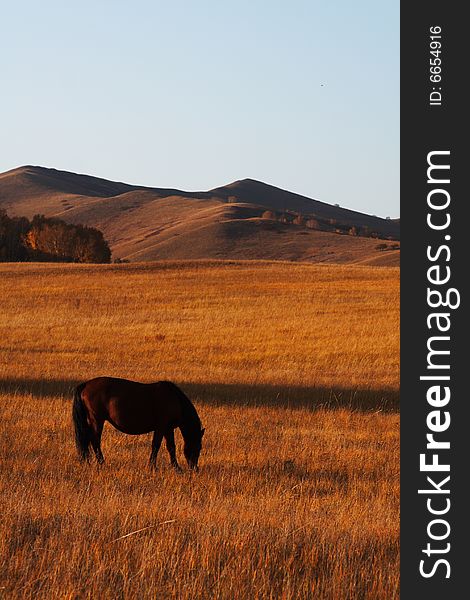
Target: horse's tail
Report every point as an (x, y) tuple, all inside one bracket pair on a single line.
[(80, 421)]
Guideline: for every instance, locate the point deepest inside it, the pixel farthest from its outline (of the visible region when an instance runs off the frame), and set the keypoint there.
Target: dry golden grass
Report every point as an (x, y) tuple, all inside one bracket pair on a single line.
[(297, 496)]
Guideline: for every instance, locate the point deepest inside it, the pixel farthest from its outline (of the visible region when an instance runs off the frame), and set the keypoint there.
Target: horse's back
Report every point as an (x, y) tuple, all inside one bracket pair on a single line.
[(131, 406)]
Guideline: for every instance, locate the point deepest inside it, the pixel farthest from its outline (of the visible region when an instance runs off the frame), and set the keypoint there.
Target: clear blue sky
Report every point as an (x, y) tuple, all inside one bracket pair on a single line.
[(196, 94)]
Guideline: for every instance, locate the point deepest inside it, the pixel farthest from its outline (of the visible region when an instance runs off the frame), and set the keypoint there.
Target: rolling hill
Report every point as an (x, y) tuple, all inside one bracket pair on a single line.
[(246, 219)]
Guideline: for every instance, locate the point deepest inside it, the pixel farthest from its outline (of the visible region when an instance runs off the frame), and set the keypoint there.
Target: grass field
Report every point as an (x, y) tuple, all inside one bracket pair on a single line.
[(294, 371)]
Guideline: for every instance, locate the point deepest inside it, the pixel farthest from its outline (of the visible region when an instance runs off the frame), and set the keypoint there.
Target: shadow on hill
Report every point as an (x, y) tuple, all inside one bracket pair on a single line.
[(232, 394)]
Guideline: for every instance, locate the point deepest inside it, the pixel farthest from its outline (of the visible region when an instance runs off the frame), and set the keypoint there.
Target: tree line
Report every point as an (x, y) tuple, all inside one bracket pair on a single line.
[(314, 221), (50, 239)]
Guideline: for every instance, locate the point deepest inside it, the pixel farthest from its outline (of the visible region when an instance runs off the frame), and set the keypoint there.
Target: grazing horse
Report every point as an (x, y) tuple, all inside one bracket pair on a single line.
[(136, 408)]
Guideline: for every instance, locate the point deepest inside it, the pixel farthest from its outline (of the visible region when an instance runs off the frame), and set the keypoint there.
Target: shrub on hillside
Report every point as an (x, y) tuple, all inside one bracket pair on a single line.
[(312, 224), (269, 214)]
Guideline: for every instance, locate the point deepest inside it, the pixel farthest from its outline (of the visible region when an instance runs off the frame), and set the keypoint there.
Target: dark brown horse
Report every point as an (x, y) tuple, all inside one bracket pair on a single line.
[(136, 408)]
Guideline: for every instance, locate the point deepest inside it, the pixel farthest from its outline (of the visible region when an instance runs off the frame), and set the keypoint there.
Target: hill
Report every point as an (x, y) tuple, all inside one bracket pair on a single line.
[(246, 219)]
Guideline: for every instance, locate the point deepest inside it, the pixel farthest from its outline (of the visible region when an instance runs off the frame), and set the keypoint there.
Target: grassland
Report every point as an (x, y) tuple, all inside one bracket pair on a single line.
[(294, 371)]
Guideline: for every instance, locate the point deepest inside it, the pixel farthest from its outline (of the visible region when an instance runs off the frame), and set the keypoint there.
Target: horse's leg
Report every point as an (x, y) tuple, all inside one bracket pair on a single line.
[(96, 431), (156, 442), (171, 447)]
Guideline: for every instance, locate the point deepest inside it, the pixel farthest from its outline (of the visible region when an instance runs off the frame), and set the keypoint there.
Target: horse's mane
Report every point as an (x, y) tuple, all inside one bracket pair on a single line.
[(190, 420)]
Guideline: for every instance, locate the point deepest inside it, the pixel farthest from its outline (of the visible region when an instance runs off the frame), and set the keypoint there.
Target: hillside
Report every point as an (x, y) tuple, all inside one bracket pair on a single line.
[(143, 223)]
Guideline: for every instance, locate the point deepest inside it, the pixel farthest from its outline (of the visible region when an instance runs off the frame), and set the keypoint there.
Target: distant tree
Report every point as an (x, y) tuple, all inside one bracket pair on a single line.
[(89, 245), (45, 239), (51, 237), (11, 232)]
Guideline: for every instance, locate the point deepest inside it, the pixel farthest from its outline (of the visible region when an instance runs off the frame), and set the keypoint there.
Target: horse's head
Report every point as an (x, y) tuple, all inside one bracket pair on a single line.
[(192, 447)]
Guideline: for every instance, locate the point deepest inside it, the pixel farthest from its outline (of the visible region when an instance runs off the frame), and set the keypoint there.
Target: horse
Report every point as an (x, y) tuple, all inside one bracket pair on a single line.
[(136, 408)]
